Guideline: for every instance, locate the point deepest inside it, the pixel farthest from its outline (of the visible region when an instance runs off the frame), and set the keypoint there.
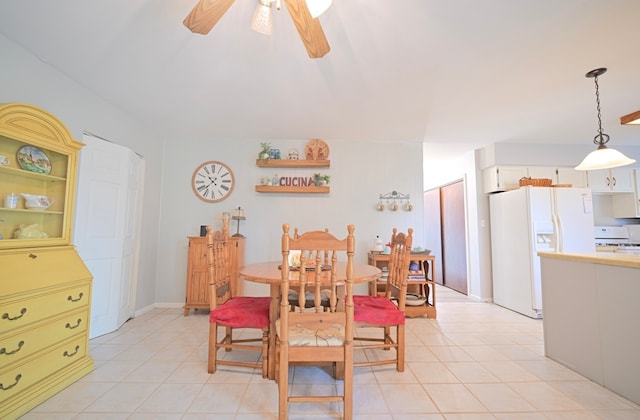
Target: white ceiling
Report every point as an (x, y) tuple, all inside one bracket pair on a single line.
[(458, 74)]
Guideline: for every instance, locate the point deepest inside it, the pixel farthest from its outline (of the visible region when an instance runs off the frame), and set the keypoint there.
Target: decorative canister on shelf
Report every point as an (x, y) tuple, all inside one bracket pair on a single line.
[(293, 154), (11, 201)]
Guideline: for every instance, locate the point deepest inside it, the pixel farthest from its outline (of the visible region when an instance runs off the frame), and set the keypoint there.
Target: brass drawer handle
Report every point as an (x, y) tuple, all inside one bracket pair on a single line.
[(4, 349), (71, 327), (22, 312), (6, 388), (67, 354), (71, 299)]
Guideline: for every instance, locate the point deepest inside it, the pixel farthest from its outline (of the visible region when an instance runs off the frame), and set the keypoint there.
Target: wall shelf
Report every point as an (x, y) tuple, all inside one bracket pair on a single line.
[(292, 163), (290, 189)]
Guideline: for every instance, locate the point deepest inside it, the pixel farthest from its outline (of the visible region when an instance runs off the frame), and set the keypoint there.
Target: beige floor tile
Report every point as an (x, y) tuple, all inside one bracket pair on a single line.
[(170, 398), (218, 398), (407, 398), (454, 398), (433, 373), (126, 397), (471, 372), (499, 398), (544, 397)]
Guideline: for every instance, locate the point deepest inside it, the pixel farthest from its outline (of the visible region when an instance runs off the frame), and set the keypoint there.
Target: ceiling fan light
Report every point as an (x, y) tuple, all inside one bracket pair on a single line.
[(604, 158), (632, 119), (317, 7), (262, 20)]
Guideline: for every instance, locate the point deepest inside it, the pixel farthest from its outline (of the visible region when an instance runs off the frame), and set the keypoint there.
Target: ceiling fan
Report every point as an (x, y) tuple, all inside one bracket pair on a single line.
[(206, 13)]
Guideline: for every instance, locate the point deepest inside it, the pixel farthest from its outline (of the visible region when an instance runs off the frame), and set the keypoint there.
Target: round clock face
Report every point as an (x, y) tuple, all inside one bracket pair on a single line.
[(212, 181)]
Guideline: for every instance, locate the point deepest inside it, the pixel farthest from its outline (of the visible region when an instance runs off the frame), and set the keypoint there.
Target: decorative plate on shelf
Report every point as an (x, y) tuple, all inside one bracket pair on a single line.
[(32, 159), (316, 150)]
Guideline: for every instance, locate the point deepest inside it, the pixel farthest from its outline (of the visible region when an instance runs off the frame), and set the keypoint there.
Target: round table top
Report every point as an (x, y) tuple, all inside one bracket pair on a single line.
[(269, 273)]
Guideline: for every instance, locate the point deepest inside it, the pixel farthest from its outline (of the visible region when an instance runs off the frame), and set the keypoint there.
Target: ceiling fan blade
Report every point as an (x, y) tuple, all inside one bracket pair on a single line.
[(205, 15), (309, 29)]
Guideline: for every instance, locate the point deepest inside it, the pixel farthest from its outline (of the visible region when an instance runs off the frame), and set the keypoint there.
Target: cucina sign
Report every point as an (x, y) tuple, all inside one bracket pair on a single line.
[(295, 181)]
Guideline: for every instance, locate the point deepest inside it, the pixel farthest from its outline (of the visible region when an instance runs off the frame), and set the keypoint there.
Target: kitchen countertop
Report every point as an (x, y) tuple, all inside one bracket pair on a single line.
[(622, 260)]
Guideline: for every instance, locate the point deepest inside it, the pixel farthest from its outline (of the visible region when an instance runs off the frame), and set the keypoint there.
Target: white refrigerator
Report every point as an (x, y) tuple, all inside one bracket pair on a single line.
[(528, 220)]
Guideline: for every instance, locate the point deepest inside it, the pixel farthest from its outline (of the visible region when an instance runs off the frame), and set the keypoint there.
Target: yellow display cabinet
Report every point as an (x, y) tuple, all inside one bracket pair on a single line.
[(45, 288)]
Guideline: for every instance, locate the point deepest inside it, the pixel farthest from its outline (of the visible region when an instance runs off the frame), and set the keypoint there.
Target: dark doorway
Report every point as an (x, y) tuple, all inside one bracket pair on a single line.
[(445, 234)]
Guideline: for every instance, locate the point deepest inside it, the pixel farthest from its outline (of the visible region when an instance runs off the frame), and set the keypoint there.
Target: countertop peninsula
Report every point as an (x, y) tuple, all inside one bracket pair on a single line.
[(606, 258), (590, 316)]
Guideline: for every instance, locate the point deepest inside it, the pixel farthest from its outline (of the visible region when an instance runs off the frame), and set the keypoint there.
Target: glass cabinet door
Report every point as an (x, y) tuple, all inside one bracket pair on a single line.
[(37, 166)]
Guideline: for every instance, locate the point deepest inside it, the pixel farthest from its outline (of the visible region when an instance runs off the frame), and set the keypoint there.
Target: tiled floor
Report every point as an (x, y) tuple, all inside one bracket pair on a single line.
[(476, 361)]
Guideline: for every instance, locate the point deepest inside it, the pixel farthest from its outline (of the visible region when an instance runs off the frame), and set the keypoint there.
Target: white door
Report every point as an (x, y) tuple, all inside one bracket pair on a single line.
[(106, 228)]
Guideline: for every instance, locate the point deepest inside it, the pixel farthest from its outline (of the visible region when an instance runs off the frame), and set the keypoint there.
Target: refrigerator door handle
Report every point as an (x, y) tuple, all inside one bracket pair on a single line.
[(557, 228)]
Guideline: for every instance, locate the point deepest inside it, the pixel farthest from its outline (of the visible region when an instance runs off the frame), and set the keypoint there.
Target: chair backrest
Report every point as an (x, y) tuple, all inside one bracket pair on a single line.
[(320, 270), (218, 260), (399, 261)]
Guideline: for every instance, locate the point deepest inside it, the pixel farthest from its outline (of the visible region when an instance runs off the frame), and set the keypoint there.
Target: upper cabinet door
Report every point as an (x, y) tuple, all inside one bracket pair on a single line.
[(612, 180), (503, 178), (577, 179), (623, 179)]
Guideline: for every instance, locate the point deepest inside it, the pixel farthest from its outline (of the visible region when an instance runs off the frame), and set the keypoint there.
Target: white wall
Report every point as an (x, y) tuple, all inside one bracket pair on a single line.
[(360, 171), (25, 79)]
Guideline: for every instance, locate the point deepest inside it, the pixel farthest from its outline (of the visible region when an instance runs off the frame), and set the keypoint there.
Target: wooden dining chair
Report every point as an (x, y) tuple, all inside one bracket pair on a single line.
[(316, 336), (294, 293), (384, 312), (232, 312)]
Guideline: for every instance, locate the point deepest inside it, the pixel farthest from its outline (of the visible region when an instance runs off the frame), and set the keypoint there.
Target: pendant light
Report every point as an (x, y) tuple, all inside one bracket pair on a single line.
[(603, 157)]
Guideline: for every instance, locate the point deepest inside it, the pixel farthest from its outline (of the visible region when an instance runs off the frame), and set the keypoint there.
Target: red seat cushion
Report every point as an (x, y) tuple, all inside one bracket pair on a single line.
[(242, 312), (376, 310)]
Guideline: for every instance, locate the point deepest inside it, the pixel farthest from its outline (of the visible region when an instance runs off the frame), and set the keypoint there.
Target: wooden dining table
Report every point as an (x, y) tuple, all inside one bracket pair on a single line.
[(269, 273)]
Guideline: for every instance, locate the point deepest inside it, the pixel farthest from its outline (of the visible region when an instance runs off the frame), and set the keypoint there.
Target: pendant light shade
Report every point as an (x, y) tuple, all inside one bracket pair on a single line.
[(318, 7), (262, 20), (602, 157)]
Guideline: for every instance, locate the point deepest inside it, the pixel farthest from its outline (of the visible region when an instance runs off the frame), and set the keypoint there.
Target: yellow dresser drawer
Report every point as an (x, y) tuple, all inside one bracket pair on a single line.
[(23, 270), (20, 312), (18, 378), (23, 343)]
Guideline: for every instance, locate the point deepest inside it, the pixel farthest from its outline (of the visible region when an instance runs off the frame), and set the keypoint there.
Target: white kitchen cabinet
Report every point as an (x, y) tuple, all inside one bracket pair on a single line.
[(502, 178), (612, 180), (559, 175), (577, 179), (505, 178)]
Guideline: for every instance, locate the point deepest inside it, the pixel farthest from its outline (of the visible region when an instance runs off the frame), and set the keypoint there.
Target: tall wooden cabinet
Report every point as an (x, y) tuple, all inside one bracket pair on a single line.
[(45, 288), (197, 294)]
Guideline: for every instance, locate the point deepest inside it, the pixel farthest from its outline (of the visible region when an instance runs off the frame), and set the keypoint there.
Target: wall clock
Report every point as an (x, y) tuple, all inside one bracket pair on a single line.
[(212, 181)]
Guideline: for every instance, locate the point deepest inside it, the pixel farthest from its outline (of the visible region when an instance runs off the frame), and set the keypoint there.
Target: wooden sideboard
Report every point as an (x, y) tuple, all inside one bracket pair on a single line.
[(420, 282), (197, 284)]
